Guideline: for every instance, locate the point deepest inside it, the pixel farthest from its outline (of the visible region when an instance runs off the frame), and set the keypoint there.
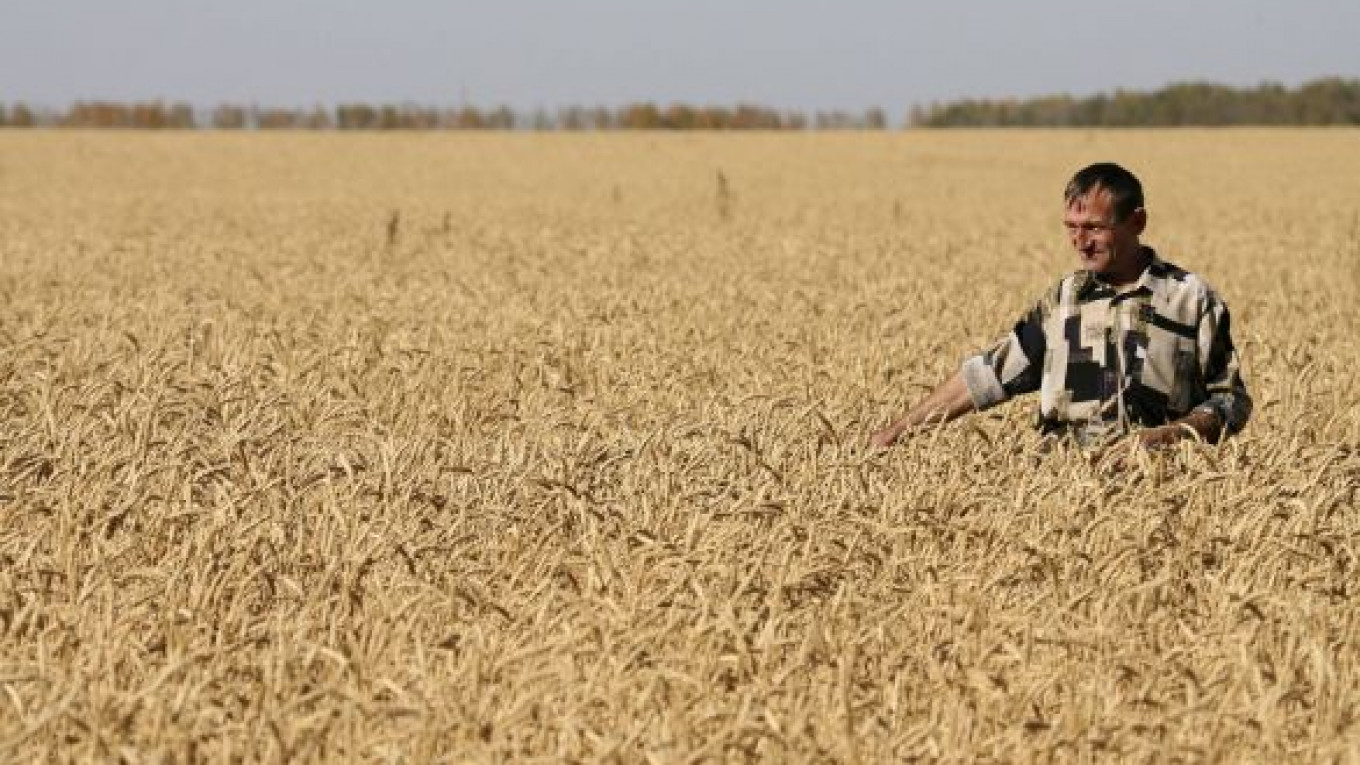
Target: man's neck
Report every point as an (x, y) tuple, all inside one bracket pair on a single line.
[(1129, 270)]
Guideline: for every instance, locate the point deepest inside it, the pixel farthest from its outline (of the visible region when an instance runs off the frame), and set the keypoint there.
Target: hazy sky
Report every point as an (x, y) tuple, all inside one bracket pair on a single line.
[(804, 54)]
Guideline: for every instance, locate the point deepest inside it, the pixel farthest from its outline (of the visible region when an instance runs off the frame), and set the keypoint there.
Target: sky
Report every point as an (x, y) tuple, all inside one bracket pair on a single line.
[(788, 54)]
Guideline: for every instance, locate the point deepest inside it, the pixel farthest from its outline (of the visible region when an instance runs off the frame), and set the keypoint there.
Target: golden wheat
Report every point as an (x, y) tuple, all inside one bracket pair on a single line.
[(419, 448)]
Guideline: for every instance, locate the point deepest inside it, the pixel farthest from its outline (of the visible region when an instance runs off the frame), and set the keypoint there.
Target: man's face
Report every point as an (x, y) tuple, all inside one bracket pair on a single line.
[(1103, 244)]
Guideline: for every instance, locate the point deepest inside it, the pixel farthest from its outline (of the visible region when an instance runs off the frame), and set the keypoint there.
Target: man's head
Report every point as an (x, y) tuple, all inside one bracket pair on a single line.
[(1104, 218)]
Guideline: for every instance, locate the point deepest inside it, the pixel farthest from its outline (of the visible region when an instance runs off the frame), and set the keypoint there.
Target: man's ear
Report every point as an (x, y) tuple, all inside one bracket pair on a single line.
[(1138, 220)]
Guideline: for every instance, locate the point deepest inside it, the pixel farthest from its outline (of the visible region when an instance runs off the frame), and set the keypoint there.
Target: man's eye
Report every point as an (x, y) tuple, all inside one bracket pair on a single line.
[(1086, 228)]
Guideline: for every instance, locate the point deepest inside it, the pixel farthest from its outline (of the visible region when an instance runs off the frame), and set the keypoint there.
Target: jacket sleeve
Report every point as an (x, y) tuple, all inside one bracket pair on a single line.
[(1011, 366), (1228, 398)]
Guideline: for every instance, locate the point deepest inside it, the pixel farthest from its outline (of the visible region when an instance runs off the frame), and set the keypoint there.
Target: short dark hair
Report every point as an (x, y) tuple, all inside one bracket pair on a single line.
[(1125, 190)]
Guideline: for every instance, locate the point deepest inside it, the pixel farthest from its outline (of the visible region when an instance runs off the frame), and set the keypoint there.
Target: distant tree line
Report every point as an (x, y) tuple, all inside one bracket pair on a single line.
[(1331, 101), (641, 116)]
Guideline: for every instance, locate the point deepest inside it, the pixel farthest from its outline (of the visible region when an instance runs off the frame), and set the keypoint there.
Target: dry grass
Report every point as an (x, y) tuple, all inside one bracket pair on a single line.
[(549, 448)]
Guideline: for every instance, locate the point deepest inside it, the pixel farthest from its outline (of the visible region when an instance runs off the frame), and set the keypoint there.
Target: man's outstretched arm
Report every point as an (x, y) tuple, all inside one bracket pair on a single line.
[(948, 401)]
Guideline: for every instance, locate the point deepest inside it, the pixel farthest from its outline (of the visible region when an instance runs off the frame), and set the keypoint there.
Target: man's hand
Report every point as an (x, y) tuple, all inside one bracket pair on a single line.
[(885, 438), (1117, 456), (1201, 426), (949, 400), (1153, 439), (1198, 425)]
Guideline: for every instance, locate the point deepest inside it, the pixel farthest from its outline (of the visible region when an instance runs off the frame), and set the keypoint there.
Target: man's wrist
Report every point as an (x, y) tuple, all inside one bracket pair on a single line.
[(1163, 436), (1190, 428)]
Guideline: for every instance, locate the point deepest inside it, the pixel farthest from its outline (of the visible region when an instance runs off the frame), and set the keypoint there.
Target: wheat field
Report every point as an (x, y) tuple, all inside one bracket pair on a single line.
[(551, 448)]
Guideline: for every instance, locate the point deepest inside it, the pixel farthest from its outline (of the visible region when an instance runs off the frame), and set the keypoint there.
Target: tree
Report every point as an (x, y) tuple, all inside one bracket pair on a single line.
[(276, 119), (226, 117), (469, 118), (640, 117), (874, 119), (501, 118), (355, 117), (20, 115)]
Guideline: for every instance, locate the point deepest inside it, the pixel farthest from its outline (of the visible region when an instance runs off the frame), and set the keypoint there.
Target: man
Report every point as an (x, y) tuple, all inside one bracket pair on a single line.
[(1127, 344)]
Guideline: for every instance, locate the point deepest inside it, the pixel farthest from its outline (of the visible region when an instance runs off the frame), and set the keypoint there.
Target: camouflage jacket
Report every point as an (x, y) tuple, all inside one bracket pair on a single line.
[(1104, 362)]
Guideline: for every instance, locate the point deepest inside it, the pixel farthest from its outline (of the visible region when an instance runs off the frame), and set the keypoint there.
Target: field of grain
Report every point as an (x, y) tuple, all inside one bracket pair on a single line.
[(473, 448)]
